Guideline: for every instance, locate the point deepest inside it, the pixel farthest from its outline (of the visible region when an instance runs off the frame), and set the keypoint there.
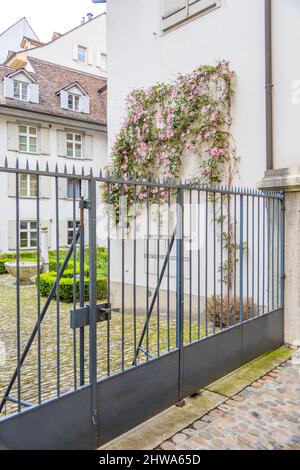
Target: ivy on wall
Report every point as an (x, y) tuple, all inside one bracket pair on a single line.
[(168, 122)]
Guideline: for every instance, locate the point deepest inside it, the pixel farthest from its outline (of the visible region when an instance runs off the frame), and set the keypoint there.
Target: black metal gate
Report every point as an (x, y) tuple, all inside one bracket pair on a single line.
[(173, 285)]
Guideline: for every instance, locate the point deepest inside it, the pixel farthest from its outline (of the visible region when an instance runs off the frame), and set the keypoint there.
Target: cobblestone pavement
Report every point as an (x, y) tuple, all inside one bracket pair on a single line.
[(264, 416)]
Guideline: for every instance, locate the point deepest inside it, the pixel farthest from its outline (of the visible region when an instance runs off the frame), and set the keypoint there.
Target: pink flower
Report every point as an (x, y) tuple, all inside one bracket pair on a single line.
[(217, 152)]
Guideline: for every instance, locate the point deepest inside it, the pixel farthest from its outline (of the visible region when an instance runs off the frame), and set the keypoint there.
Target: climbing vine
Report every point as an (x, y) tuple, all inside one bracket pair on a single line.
[(168, 122)]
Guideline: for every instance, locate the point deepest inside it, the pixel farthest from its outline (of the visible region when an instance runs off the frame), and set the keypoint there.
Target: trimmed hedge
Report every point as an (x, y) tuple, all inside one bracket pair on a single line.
[(102, 260), (66, 286)]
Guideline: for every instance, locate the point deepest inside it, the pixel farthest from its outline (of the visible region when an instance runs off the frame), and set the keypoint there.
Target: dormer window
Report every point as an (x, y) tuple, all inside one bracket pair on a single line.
[(21, 90), (20, 85), (74, 102), (74, 98)]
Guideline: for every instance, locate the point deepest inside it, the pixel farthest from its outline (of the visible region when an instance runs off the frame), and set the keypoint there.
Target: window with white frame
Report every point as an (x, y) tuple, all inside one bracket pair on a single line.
[(82, 54), (103, 61), (21, 90), (28, 186), (74, 145), (28, 234), (176, 12), (70, 234), (73, 189), (28, 139), (74, 102)]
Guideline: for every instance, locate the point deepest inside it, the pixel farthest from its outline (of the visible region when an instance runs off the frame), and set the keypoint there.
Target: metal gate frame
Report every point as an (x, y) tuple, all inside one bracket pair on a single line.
[(102, 410)]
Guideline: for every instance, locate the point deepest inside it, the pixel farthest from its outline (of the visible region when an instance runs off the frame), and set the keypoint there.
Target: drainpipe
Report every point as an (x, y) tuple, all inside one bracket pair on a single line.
[(269, 85)]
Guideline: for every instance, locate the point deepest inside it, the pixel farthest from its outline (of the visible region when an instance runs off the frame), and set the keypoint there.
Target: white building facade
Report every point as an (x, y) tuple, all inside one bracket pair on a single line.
[(11, 38), (163, 38), (83, 49), (61, 121)]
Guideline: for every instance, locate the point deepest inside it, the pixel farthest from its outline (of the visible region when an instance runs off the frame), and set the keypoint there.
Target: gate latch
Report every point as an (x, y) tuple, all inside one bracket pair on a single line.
[(80, 317)]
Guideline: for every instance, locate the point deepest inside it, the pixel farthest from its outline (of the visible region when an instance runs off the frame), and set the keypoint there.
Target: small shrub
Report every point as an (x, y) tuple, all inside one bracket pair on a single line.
[(66, 286), (219, 310)]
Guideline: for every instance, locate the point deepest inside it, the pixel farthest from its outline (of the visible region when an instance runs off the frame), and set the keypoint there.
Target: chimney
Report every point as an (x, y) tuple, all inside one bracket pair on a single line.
[(90, 16)]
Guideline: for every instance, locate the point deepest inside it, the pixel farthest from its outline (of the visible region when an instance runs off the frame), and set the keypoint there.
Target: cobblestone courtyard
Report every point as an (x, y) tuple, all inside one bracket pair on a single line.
[(264, 416)]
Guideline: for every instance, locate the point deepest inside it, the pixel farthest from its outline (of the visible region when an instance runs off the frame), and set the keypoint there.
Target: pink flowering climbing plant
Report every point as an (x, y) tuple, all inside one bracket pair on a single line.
[(168, 122)]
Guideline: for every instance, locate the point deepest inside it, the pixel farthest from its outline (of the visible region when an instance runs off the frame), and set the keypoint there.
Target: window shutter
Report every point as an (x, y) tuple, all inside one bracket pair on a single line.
[(8, 87), (64, 99), (61, 144), (45, 141), (45, 187), (63, 233), (34, 93), (12, 137), (85, 189), (75, 52), (198, 6), (174, 11), (90, 56), (62, 188), (12, 245), (11, 185), (89, 147), (85, 100)]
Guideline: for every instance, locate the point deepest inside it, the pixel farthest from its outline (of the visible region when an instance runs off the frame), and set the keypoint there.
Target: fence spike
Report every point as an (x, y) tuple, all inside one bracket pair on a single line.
[(37, 166), (6, 162), (17, 163), (56, 168), (73, 170), (47, 167), (27, 164), (65, 170)]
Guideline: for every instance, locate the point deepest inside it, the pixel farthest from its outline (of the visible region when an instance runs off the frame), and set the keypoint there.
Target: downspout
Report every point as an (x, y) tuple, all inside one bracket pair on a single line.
[(269, 85)]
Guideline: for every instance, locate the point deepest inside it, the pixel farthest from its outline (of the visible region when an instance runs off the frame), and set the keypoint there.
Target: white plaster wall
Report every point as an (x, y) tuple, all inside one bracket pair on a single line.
[(11, 39), (286, 40), (91, 35), (234, 32), (47, 206)]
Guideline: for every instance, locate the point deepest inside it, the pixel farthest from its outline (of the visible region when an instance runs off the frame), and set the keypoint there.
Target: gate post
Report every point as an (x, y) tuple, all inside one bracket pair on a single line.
[(180, 285), (288, 180), (93, 308)]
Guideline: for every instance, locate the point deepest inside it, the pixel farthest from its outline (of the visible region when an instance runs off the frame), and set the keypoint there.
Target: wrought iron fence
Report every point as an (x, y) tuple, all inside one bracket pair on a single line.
[(152, 267)]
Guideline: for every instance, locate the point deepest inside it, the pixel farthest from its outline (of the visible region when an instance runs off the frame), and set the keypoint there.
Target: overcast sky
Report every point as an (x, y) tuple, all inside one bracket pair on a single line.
[(47, 16)]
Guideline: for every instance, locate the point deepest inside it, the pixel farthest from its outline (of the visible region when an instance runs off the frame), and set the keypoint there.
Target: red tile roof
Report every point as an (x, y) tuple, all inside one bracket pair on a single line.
[(51, 78)]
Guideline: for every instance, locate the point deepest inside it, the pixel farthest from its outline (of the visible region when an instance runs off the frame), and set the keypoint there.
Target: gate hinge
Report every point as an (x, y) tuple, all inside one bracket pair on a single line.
[(84, 204), (80, 317)]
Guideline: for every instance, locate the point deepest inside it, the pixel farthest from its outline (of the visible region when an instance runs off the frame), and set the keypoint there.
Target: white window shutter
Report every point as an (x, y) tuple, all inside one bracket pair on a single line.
[(12, 137), (75, 52), (12, 245), (8, 87), (45, 141), (89, 147), (61, 144), (202, 5), (11, 185), (63, 233), (85, 189), (90, 56), (62, 188), (64, 99), (85, 103), (34, 93), (45, 187)]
